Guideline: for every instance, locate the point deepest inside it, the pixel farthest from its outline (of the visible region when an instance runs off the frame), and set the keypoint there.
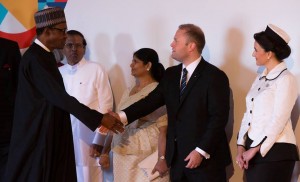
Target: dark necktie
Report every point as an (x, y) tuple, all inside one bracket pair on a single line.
[(183, 81)]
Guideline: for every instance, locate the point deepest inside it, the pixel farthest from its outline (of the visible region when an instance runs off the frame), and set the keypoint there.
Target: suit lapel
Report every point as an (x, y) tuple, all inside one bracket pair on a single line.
[(176, 82), (193, 79)]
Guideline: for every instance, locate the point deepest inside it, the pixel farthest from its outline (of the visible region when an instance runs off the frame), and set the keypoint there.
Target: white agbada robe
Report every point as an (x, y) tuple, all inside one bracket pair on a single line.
[(89, 84)]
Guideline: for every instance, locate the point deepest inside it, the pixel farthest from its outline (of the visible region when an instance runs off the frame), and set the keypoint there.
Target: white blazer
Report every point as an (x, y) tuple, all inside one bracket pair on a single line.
[(269, 104)]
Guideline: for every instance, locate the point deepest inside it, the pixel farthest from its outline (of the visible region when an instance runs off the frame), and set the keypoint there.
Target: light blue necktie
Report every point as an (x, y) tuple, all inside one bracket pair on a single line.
[(183, 81)]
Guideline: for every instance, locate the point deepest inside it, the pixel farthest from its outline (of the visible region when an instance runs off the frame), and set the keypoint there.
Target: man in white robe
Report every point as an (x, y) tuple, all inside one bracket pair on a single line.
[(88, 82)]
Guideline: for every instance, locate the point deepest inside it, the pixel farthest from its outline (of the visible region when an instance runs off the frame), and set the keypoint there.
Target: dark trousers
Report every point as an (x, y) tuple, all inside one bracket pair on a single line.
[(196, 175), (278, 171), (3, 159), (179, 173)]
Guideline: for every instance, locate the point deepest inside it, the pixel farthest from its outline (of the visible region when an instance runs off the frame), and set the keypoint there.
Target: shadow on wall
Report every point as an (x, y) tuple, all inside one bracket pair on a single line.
[(123, 49), (206, 53), (240, 79), (295, 119), (102, 50), (117, 80), (87, 54)]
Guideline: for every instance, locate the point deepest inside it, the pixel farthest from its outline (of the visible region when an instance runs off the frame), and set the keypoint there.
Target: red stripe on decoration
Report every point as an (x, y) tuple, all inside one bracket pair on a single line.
[(24, 39)]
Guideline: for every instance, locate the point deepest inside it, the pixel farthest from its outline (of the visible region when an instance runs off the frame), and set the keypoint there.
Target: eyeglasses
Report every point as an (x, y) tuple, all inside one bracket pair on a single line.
[(63, 30), (77, 46)]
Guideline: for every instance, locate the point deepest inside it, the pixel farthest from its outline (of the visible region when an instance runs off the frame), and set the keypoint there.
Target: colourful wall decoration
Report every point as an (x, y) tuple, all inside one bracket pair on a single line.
[(16, 18)]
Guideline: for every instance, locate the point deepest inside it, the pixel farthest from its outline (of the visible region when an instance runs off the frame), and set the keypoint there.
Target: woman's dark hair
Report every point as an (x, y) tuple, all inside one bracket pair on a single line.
[(280, 50), (149, 55)]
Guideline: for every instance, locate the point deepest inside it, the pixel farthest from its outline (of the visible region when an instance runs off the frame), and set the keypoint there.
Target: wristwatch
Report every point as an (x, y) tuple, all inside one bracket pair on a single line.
[(162, 157)]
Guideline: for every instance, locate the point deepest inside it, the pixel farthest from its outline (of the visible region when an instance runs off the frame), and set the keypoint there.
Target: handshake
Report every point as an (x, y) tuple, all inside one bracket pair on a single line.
[(112, 122)]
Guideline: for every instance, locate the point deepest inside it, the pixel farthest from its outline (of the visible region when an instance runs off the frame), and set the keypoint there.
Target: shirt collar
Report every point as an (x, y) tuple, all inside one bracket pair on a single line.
[(275, 72), (73, 68), (191, 67), (38, 42)]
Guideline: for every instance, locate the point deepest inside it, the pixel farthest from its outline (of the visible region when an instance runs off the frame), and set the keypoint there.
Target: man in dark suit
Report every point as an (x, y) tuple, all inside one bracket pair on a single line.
[(9, 62), (197, 106)]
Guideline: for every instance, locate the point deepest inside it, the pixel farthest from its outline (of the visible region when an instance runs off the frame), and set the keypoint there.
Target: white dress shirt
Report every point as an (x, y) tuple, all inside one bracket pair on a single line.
[(269, 104)]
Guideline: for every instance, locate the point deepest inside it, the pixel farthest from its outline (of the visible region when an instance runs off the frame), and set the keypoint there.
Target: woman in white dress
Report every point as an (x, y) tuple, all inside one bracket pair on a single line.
[(145, 135)]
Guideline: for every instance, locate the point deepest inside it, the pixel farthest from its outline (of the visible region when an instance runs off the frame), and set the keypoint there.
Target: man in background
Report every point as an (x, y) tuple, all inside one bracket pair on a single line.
[(89, 84), (9, 63)]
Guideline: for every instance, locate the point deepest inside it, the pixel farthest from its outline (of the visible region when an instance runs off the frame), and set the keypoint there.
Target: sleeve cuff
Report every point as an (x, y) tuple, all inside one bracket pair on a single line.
[(99, 138), (241, 141), (203, 153), (123, 117), (258, 141)]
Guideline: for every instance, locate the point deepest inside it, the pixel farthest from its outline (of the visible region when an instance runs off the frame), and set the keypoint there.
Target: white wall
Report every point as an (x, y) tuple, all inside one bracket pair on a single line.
[(115, 29)]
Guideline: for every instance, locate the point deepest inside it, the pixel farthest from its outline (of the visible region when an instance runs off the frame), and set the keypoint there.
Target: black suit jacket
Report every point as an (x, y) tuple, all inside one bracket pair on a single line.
[(9, 63), (198, 119)]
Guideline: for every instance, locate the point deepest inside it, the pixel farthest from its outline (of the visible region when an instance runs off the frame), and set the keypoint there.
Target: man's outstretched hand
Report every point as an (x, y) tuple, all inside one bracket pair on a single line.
[(112, 123)]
